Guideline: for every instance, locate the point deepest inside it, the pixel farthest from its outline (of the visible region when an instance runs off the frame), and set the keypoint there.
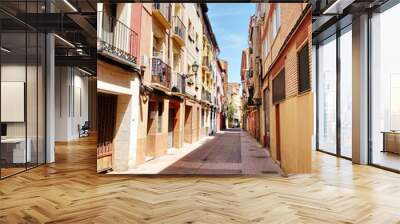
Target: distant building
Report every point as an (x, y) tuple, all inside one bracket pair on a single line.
[(234, 100)]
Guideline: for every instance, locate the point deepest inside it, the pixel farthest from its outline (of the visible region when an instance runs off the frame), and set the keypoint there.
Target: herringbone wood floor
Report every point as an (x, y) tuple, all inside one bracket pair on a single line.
[(70, 191)]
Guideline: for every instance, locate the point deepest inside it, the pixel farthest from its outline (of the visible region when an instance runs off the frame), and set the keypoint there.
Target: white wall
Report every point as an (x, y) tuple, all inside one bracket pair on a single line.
[(16, 73), (71, 103)]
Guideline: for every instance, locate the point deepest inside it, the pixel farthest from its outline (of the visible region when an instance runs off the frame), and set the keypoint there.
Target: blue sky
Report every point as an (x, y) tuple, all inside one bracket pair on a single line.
[(230, 23)]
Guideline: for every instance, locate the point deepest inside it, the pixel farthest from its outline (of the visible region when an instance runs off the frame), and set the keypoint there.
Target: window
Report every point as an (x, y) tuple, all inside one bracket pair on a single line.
[(385, 89), (22, 98), (265, 45), (160, 113), (345, 94), (274, 28), (191, 31), (276, 20), (196, 42), (334, 88), (278, 16), (304, 69), (278, 87), (327, 96)]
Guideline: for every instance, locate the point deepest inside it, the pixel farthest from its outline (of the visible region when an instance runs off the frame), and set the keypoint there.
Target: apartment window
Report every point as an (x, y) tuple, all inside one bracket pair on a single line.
[(191, 31), (160, 113), (278, 87), (266, 45), (278, 16), (276, 20), (196, 42), (274, 28), (304, 69)]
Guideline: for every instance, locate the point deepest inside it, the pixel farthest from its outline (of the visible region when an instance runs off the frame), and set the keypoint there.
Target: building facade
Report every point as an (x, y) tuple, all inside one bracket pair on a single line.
[(224, 80), (165, 81), (219, 95), (234, 106), (279, 104)]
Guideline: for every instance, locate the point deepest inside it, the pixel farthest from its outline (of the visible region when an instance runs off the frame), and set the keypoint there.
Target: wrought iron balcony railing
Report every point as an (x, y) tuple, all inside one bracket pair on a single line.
[(205, 95), (250, 82), (206, 62), (179, 27), (249, 73), (160, 72), (117, 39), (158, 54), (250, 101), (178, 83)]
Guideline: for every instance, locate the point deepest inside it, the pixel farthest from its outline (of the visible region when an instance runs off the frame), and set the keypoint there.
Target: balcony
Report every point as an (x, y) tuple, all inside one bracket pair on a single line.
[(205, 95), (178, 83), (214, 100), (179, 31), (250, 82), (206, 63), (249, 73), (250, 101), (162, 12), (160, 73), (116, 40), (158, 54)]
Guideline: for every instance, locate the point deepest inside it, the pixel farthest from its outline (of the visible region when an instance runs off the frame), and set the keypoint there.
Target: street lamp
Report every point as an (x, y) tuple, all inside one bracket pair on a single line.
[(195, 68)]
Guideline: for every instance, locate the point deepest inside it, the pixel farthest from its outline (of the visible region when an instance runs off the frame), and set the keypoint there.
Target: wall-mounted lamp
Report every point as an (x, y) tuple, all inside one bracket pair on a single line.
[(195, 68)]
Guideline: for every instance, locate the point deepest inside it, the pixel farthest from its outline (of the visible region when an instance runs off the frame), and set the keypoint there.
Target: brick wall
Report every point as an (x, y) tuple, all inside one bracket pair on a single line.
[(294, 115)]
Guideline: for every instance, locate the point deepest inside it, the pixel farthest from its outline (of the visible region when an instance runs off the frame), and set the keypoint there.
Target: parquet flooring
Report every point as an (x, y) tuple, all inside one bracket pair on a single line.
[(70, 191)]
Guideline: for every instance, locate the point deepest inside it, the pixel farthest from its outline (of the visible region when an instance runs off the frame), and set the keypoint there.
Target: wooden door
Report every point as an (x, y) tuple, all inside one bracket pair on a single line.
[(278, 133), (106, 115), (171, 124)]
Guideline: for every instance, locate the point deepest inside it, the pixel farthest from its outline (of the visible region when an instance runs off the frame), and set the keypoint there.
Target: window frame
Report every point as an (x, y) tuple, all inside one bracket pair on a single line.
[(305, 46), (275, 100)]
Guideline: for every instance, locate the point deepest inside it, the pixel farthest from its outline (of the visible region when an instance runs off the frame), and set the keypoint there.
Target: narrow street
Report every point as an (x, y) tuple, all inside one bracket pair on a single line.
[(229, 152)]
